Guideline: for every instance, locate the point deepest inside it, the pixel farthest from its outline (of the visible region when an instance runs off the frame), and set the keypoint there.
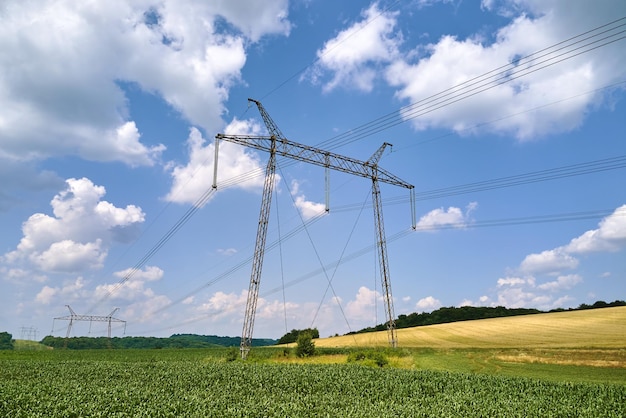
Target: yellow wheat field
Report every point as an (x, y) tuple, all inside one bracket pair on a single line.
[(594, 328)]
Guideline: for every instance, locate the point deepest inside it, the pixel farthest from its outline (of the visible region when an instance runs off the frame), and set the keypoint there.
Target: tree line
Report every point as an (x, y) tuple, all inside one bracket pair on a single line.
[(466, 313), (174, 341)]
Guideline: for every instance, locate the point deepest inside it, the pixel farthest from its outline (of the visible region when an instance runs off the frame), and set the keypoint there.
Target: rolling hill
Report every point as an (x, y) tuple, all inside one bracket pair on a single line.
[(595, 328)]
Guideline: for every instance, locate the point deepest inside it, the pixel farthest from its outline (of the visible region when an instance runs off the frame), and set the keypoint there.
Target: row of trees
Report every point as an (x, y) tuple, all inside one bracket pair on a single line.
[(292, 336), (466, 313), (174, 341)]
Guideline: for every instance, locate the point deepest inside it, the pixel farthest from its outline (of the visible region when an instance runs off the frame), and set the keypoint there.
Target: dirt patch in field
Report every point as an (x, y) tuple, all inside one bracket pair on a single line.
[(593, 358)]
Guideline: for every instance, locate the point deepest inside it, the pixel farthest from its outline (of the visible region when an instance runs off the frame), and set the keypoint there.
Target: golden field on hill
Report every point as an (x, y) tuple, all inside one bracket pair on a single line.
[(593, 328)]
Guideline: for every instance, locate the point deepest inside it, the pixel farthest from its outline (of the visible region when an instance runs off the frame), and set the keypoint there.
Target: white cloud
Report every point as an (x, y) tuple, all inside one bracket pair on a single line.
[(527, 291), (69, 256), (77, 237), (539, 24), (70, 291), (134, 289), (519, 297), (46, 294), (237, 166), (511, 281), (363, 305), (256, 19), (451, 217), (307, 208), (561, 283), (63, 63), (354, 55), (428, 303), (548, 261), (222, 304), (149, 273), (610, 235), (227, 251)]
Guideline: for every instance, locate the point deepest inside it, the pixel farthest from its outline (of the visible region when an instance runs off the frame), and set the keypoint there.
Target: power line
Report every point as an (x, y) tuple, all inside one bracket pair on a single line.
[(529, 64), (573, 170), (316, 60), (504, 74), (537, 219)]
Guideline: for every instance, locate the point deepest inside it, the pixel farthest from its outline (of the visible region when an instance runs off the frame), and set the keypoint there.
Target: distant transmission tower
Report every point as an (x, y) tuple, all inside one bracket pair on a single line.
[(91, 318), (28, 333)]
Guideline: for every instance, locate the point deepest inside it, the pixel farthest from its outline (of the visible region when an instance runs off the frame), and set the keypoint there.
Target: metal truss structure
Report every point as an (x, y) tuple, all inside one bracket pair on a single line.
[(278, 145)]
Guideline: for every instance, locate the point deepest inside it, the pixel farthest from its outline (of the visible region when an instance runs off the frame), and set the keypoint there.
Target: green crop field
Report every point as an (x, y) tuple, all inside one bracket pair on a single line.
[(201, 383), (554, 365)]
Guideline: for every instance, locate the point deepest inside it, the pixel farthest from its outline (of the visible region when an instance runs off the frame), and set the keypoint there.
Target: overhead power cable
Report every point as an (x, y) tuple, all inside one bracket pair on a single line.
[(241, 264), (538, 219), (337, 45), (579, 169), (200, 202), (570, 48)]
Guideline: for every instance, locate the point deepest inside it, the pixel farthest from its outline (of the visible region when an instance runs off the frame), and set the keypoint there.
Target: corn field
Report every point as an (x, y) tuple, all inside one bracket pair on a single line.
[(159, 383)]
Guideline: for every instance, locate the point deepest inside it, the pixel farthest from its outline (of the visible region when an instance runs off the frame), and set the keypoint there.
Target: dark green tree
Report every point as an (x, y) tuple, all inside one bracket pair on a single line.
[(292, 336), (6, 341), (305, 347)]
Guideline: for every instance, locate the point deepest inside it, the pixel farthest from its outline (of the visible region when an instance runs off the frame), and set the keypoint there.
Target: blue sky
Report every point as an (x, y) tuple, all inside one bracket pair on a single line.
[(106, 144)]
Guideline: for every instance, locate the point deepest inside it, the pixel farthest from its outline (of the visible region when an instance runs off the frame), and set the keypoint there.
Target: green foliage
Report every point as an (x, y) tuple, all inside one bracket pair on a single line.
[(170, 383), (292, 336), (6, 341), (368, 358), (466, 313), (305, 347), (601, 304), (174, 341), (233, 354)]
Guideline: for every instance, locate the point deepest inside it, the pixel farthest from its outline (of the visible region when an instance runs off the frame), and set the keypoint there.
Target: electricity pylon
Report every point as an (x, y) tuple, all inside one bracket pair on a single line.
[(73, 316), (277, 144)]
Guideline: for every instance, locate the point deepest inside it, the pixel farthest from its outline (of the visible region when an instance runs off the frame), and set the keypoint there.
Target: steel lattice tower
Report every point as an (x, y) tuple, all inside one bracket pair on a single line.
[(277, 145)]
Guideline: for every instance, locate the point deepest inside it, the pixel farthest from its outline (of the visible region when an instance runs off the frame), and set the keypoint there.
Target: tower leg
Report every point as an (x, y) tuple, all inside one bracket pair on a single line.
[(259, 251), (384, 263)]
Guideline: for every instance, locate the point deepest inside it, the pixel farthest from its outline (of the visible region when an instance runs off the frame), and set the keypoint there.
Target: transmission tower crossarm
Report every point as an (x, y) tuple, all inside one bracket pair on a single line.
[(277, 145), (317, 156)]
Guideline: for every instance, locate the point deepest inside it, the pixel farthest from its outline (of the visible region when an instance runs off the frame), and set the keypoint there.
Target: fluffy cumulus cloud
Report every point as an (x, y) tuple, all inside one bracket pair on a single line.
[(548, 261), (364, 304), (528, 292), (534, 25), (77, 237), (307, 208), (132, 285), (64, 64), (428, 303), (228, 308), (68, 291), (609, 236), (452, 217), (546, 277), (237, 166), (443, 81), (354, 56)]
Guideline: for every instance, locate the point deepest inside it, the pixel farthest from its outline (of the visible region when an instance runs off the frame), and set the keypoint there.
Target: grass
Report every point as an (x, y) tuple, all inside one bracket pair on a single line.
[(30, 345), (595, 328), (576, 346), (200, 382)]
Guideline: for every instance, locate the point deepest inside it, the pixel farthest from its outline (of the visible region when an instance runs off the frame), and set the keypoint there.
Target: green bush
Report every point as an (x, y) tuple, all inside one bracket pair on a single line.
[(6, 341), (233, 354), (368, 358), (305, 347)]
